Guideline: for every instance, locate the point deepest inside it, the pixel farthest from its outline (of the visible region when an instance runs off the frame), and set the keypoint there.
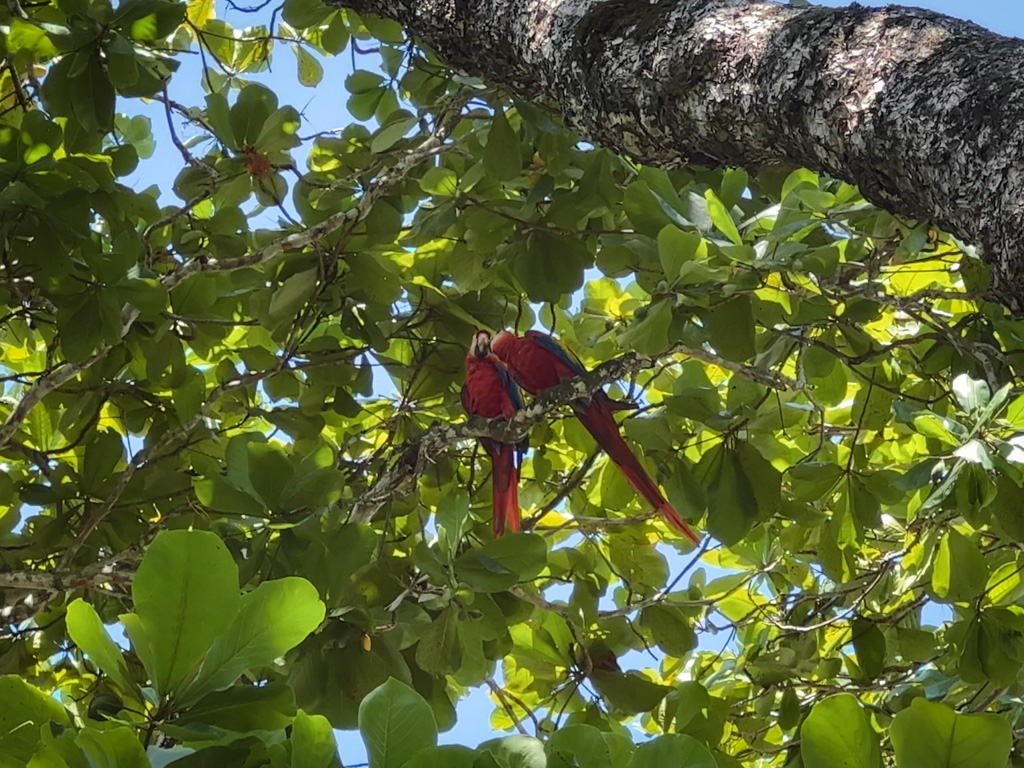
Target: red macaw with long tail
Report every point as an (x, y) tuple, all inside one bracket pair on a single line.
[(490, 392), (537, 362)]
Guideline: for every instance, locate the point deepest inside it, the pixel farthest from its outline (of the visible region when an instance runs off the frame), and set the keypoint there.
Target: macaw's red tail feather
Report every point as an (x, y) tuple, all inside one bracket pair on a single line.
[(602, 426), (505, 482), (676, 522), (600, 423)]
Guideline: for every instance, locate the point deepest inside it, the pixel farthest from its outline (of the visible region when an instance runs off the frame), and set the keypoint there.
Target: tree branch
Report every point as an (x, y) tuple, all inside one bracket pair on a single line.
[(61, 581), (925, 113), (42, 586), (43, 386), (423, 450), (346, 220), (148, 455)]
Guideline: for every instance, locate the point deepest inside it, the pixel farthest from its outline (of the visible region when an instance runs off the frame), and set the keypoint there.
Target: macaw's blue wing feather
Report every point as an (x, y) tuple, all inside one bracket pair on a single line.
[(517, 400), (510, 386), (563, 354), (567, 356)]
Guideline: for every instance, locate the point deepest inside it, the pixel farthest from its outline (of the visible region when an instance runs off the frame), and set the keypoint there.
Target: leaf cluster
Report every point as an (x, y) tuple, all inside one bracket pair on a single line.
[(211, 390)]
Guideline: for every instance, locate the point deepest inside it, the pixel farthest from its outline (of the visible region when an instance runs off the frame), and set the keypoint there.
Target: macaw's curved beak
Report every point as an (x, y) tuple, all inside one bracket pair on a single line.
[(482, 344)]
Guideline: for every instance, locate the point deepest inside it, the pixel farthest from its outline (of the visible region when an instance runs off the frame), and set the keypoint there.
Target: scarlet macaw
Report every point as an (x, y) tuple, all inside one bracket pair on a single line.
[(490, 392), (537, 362)]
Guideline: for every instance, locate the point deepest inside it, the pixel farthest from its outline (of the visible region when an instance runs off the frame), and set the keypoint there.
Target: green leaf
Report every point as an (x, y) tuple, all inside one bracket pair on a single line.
[(581, 745), (931, 735), (302, 14), (993, 649), (25, 37), (362, 81), (243, 708), (251, 110), (447, 757), (102, 455), (1015, 411), (550, 266), (395, 723), (732, 503), (88, 633), (672, 749), (518, 751), (972, 395), (310, 71), (676, 248), (439, 181), (632, 559), (669, 629), (731, 327), (313, 742), (113, 748), (734, 184), (80, 324), (335, 38), (869, 645), (149, 20), (25, 709), (502, 155), (122, 63), (915, 644), (500, 563), (319, 488), (1005, 586), (292, 294), (801, 177), (1009, 500), (270, 471), (628, 692), (960, 571), (391, 134), (453, 520), (218, 116), (186, 595), (364, 106), (720, 217), (279, 132), (220, 496), (838, 734), (439, 651), (92, 98), (648, 334), (650, 211), (272, 619), (148, 296)]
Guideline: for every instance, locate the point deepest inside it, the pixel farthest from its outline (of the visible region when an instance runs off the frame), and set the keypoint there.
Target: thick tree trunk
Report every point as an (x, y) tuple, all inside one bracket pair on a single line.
[(924, 112)]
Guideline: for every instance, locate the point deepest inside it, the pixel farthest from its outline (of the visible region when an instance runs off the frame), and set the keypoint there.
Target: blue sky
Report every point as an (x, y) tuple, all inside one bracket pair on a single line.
[(1003, 16), (323, 108)]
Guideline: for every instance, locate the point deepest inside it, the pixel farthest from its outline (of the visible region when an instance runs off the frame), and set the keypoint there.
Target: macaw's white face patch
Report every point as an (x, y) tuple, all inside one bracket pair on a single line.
[(481, 344)]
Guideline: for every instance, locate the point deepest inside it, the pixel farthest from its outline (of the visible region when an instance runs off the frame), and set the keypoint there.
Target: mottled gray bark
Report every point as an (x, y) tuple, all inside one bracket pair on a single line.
[(924, 112)]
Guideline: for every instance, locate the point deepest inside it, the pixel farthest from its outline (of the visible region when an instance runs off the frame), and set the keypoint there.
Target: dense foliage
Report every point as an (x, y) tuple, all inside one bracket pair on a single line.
[(216, 421)]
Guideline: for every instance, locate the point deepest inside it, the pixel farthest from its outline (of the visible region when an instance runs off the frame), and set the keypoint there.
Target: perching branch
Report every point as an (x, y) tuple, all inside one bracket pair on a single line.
[(423, 450)]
